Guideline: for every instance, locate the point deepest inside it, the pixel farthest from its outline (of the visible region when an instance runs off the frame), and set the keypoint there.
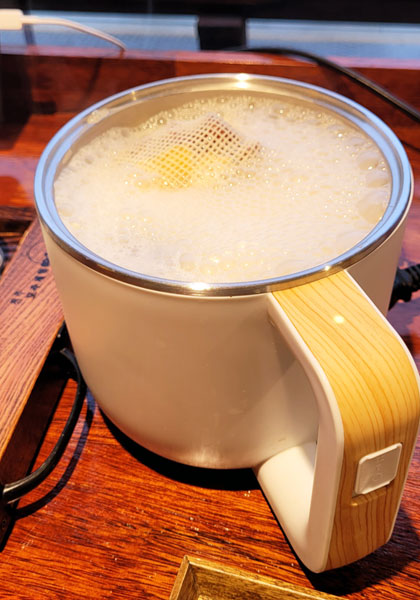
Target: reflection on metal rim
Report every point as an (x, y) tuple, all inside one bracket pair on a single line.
[(88, 123)]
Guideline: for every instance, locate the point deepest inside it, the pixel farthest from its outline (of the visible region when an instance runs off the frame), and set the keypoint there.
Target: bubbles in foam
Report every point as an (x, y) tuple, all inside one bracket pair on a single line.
[(225, 189)]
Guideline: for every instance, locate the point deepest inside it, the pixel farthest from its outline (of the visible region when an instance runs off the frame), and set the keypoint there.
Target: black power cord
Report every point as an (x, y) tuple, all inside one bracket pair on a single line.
[(11, 492), (358, 78), (407, 281)]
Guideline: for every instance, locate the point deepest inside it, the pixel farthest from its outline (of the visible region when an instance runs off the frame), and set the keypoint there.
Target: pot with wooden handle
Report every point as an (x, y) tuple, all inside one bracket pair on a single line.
[(298, 376)]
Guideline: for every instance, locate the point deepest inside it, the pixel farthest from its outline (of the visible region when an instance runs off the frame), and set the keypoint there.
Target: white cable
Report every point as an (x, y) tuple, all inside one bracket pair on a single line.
[(14, 19)]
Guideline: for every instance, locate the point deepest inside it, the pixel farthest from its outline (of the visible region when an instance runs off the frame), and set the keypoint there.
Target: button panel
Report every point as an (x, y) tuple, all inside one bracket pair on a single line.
[(377, 469)]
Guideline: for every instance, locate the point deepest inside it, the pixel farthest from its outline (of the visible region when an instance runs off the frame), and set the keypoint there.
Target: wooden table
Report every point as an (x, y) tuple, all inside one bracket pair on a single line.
[(113, 520)]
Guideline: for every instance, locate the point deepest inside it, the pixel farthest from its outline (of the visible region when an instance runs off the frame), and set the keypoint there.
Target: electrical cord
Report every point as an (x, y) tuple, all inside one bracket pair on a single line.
[(350, 73), (14, 19), (407, 280), (15, 490)]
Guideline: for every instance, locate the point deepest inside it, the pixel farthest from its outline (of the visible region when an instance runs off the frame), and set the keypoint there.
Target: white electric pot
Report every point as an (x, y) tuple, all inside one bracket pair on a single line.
[(300, 377)]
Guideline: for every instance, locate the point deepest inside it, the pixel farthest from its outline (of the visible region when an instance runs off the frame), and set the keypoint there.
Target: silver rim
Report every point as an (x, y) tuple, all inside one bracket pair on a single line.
[(59, 147)]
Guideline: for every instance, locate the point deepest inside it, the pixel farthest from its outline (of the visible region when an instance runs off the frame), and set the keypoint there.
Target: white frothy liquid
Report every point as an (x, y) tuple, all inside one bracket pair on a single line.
[(228, 189)]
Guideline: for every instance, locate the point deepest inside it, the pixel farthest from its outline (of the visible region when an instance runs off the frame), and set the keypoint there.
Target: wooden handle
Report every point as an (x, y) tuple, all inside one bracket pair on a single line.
[(375, 385), (337, 495)]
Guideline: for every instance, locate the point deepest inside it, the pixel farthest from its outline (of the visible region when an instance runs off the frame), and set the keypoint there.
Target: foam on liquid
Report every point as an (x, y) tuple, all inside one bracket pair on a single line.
[(233, 188)]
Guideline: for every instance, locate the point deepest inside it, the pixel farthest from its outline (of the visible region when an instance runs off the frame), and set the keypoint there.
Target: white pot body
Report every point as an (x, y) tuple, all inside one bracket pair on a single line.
[(204, 381), (221, 377)]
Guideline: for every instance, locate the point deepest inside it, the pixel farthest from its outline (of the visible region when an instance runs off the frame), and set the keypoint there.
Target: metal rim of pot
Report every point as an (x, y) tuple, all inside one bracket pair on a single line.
[(60, 150)]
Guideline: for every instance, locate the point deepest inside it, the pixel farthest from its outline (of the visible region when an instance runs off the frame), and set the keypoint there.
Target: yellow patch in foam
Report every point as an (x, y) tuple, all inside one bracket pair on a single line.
[(174, 166)]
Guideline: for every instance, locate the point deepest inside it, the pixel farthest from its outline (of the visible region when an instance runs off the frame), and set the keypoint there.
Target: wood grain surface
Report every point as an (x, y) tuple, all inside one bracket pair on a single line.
[(379, 406), (199, 579), (30, 317), (113, 520)]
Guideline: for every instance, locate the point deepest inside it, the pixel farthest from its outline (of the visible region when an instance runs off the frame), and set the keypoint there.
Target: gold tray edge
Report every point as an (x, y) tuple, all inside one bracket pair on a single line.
[(200, 579)]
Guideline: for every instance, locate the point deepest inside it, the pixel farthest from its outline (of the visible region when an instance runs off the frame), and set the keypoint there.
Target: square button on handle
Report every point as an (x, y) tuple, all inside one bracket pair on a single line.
[(377, 469)]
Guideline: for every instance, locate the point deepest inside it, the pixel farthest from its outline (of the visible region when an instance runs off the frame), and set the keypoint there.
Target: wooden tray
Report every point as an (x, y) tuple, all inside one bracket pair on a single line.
[(202, 580), (31, 317)]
